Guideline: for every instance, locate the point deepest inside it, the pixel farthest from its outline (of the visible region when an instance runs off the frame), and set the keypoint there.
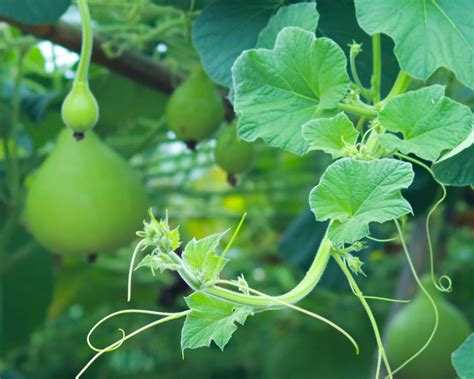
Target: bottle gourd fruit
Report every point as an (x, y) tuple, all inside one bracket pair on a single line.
[(410, 329), (85, 198), (232, 154), (195, 109)]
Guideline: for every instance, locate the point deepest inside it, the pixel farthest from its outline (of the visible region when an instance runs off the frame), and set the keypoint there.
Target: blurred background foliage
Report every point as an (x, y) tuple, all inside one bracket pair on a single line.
[(49, 303)]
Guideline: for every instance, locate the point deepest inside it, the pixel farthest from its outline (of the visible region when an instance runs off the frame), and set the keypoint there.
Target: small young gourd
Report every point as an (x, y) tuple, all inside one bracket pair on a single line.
[(232, 154), (195, 109), (84, 198), (411, 327), (80, 111)]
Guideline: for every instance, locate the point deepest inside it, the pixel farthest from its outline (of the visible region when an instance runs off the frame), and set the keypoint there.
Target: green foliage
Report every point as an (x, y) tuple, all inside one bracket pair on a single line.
[(210, 320), (462, 358), (302, 15), (200, 257), (226, 28), (34, 12), (279, 90), (456, 168), (355, 193), (429, 122), (336, 136), (427, 34)]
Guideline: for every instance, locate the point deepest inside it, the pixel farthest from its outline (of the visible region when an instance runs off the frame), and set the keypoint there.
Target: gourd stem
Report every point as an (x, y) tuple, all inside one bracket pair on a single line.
[(301, 290), (87, 40)]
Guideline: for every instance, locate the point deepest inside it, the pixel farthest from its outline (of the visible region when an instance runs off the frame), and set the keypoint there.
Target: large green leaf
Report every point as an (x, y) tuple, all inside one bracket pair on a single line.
[(428, 121), (210, 320), (331, 135), (303, 15), (456, 168), (226, 28), (279, 90), (428, 34), (463, 359), (34, 11), (355, 193)]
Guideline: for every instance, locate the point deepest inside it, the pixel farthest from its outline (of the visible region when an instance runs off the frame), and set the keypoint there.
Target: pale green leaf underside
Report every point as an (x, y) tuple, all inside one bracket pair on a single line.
[(277, 91), (428, 34), (463, 360), (159, 262), (429, 122), (303, 15), (456, 168), (330, 135), (355, 193), (210, 320), (200, 257)]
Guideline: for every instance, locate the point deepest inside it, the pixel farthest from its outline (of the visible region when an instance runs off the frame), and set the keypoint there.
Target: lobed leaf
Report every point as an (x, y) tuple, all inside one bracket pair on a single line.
[(331, 135), (303, 15), (277, 91), (210, 320), (200, 257), (428, 121), (355, 193), (428, 34)]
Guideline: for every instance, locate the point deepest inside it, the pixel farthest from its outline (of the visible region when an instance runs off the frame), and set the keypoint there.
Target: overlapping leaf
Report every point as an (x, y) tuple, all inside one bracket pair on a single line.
[(428, 34), (200, 257), (34, 11), (456, 168), (355, 193), (277, 91), (210, 320), (226, 28), (428, 121), (463, 360), (303, 15), (331, 135)]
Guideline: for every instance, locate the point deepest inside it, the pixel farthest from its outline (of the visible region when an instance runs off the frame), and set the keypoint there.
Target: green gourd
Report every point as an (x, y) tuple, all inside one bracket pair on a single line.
[(410, 329), (231, 153), (85, 198), (195, 109)]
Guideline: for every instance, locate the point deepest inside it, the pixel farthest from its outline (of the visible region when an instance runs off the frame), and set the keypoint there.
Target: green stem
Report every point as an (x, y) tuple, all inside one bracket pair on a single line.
[(377, 67), (352, 60), (399, 86), (301, 290), (87, 40), (366, 306), (360, 110)]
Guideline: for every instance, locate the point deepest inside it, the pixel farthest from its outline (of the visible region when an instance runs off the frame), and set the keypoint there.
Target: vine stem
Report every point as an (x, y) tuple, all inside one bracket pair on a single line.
[(433, 304), (301, 290), (87, 41), (368, 310), (294, 307), (377, 67), (360, 110), (119, 343), (399, 86)]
